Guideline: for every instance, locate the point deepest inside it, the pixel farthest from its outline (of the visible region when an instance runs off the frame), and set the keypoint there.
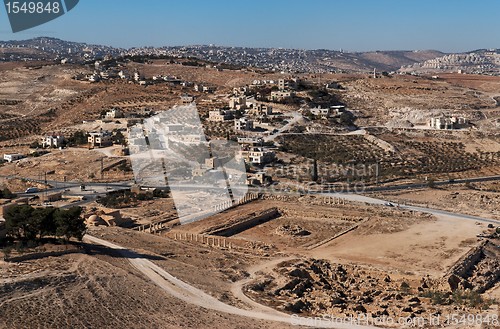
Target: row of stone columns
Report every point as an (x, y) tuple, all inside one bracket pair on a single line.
[(277, 197), (211, 241), (248, 198), (223, 206), (333, 200), (228, 204), (152, 228)]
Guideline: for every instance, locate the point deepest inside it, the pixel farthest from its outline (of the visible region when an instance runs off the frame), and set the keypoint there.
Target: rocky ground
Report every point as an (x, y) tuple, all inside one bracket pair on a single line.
[(317, 287)]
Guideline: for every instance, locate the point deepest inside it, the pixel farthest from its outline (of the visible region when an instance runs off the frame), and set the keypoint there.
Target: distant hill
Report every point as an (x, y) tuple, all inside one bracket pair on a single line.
[(480, 61), (44, 48), (274, 59)]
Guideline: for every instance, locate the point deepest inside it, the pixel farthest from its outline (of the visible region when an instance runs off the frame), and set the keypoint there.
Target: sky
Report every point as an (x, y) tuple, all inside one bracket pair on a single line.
[(351, 25)]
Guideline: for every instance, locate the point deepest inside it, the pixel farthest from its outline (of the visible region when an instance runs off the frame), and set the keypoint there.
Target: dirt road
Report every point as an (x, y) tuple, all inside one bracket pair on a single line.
[(195, 296)]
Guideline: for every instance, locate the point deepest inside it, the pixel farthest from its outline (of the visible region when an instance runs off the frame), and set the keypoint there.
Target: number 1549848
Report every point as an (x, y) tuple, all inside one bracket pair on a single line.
[(32, 7)]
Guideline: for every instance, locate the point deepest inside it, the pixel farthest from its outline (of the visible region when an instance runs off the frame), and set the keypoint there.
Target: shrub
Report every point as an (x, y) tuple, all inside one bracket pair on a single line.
[(437, 297)]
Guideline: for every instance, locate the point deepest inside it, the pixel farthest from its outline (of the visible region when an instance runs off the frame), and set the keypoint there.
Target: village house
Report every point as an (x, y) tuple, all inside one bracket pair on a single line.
[(114, 114), (13, 157), (257, 155), (220, 115), (210, 164), (327, 112), (204, 88), (52, 141), (260, 110), (277, 96), (238, 103), (187, 99), (447, 123), (243, 124), (138, 77), (100, 139), (122, 75), (240, 90), (250, 140), (258, 179)]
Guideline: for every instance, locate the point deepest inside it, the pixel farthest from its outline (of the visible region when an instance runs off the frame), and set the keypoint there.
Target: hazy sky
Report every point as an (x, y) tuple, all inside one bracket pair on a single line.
[(354, 25)]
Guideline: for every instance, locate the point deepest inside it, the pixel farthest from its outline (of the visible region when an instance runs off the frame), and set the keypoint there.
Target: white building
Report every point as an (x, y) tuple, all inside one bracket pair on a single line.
[(277, 96), (187, 99), (243, 124), (220, 115), (260, 109), (238, 103), (13, 157), (50, 141), (203, 88), (257, 155), (448, 123), (250, 140), (318, 111), (114, 114), (328, 112), (100, 139)]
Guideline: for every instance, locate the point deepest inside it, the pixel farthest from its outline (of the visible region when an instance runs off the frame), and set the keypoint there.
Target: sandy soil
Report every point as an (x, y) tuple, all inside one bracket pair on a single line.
[(427, 248), (101, 290)]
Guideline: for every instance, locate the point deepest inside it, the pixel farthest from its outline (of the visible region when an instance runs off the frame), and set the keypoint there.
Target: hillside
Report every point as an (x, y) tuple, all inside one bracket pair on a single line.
[(273, 59), (475, 62)]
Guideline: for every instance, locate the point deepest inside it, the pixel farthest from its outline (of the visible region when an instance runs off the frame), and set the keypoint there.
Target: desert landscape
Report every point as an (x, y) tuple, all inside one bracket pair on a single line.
[(365, 196)]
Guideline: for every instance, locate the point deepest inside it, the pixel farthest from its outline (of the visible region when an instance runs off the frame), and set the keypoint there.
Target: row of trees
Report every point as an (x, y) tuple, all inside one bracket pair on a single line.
[(125, 199), (26, 223)]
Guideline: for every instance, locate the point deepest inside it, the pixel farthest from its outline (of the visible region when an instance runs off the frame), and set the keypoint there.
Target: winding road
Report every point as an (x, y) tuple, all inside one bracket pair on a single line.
[(195, 296)]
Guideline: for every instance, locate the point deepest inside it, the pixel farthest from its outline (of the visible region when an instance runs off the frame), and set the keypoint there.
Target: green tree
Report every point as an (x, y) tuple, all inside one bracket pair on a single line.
[(69, 223), (18, 222), (43, 219), (119, 138), (346, 119), (78, 138), (24, 222)]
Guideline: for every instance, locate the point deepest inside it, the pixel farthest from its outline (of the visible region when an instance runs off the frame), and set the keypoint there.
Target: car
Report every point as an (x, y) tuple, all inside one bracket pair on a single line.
[(31, 190), (388, 204)]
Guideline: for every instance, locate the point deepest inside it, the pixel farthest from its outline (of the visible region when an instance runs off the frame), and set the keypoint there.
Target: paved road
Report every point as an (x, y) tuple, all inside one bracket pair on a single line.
[(59, 186), (195, 296), (373, 201), (438, 183)]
